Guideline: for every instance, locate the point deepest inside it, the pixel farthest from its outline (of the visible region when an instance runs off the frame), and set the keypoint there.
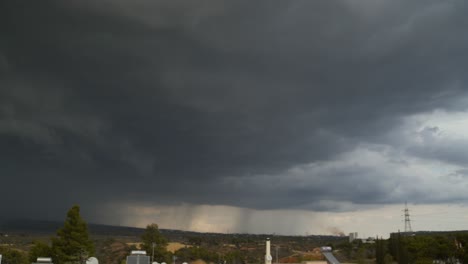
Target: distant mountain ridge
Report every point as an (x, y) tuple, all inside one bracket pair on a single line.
[(46, 226), (50, 227)]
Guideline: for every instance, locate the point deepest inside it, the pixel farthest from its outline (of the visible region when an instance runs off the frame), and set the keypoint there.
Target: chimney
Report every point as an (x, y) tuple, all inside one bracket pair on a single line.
[(268, 257)]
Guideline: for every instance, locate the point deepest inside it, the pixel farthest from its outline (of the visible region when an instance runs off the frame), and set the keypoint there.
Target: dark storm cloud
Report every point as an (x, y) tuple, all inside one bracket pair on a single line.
[(162, 101)]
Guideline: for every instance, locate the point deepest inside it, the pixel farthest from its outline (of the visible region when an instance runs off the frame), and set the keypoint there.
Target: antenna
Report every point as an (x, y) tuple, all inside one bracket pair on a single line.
[(407, 220)]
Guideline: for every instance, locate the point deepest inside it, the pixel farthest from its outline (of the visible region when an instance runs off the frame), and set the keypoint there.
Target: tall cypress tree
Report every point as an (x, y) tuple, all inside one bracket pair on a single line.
[(379, 251), (72, 244)]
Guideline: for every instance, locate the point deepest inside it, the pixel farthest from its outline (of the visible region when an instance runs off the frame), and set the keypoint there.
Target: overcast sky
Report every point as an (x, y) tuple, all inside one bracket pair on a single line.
[(287, 117)]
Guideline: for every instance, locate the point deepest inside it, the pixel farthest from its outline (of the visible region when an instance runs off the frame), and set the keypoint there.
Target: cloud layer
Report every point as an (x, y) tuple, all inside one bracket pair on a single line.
[(304, 105)]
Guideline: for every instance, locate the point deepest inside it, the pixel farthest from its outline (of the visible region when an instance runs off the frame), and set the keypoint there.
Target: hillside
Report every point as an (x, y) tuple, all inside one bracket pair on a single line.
[(114, 242)]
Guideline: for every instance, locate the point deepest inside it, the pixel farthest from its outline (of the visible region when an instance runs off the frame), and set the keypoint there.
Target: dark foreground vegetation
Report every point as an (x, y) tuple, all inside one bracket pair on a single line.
[(74, 241), (424, 247)]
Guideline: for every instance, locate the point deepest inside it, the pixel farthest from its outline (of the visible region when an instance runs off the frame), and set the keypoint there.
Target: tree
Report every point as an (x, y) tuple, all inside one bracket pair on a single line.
[(72, 244), (39, 249), (151, 237), (398, 248), (12, 256), (234, 257), (195, 241), (111, 251), (380, 251)]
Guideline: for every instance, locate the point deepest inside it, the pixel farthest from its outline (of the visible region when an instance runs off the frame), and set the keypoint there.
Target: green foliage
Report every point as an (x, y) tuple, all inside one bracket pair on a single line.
[(234, 257), (388, 259), (111, 251), (238, 241), (380, 251), (398, 248), (361, 256), (461, 243), (425, 248), (423, 261), (39, 249), (194, 253), (12, 256), (345, 248), (152, 235), (72, 244), (195, 241)]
